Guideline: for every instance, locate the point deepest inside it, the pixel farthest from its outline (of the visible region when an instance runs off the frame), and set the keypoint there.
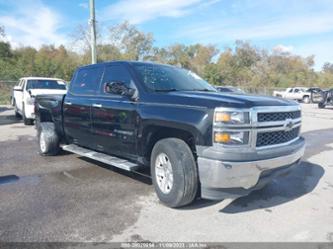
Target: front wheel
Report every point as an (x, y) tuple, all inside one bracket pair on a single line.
[(174, 172), (17, 114), (26, 121), (48, 139)]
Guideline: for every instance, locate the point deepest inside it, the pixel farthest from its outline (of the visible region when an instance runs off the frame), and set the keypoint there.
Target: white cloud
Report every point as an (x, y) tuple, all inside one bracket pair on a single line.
[(144, 10), (283, 49), (232, 29), (32, 24)]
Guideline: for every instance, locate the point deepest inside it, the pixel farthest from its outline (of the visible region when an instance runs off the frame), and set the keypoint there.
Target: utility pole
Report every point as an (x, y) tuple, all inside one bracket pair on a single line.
[(92, 22)]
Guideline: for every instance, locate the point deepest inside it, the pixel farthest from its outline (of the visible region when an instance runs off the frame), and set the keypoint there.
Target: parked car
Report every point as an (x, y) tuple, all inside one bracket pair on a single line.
[(326, 98), (229, 89), (295, 93), (28, 88), (136, 116)]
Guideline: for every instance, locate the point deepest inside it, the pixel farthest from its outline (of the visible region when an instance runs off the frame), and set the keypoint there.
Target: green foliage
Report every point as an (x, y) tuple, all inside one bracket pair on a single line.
[(5, 51)]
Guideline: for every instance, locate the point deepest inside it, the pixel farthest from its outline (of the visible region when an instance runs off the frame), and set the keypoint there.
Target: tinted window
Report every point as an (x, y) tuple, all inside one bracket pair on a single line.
[(117, 73), (87, 80), (167, 78), (46, 84)]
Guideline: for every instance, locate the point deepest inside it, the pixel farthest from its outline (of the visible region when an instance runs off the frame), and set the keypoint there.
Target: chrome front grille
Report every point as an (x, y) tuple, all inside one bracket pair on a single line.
[(268, 126), (278, 116), (276, 137)]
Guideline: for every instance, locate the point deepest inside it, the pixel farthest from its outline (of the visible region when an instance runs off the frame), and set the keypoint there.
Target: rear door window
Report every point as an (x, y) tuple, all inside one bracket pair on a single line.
[(86, 80)]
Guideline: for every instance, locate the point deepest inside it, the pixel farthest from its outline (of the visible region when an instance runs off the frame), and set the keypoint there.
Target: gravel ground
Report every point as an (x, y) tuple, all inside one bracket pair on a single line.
[(70, 198)]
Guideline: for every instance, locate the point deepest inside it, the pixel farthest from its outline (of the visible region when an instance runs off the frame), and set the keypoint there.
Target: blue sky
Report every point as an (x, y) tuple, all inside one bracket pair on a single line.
[(302, 27)]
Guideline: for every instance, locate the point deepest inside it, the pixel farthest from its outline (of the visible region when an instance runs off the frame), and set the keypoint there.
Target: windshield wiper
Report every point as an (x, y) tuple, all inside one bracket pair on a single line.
[(166, 90), (202, 90)]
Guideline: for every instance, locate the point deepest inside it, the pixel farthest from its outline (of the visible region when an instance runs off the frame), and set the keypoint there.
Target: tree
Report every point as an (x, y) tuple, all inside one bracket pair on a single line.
[(328, 67), (131, 42), (212, 74), (5, 50), (107, 52)]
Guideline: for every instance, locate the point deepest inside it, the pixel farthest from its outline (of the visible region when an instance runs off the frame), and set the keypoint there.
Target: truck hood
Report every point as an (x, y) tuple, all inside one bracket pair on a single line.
[(216, 99), (36, 92)]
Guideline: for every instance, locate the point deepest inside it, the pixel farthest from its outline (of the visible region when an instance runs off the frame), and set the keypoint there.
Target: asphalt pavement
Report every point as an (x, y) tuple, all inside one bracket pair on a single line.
[(70, 198)]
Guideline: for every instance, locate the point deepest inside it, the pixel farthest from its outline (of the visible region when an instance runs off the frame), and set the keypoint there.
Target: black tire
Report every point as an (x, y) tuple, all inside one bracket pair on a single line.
[(47, 135), (184, 171), (306, 100), (26, 121), (321, 105)]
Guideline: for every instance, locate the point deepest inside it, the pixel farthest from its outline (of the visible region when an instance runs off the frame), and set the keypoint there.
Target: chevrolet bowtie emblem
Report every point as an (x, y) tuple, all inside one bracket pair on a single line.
[(288, 125)]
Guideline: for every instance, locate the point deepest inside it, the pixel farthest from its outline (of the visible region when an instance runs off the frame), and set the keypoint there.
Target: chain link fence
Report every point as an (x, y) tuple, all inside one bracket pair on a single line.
[(6, 88)]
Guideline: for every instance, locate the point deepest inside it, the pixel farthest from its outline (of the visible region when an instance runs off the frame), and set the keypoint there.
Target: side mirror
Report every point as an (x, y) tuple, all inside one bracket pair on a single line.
[(119, 88), (29, 91)]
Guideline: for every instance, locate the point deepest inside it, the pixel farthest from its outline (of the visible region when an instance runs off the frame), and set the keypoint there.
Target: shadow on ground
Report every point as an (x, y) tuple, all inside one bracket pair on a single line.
[(9, 119), (4, 108), (142, 175), (301, 181)]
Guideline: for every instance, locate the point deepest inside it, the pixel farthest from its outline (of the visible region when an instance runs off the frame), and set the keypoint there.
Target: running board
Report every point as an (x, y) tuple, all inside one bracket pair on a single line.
[(101, 157)]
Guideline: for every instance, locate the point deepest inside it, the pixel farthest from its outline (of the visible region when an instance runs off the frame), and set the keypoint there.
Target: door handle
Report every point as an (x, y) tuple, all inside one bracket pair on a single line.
[(68, 103), (97, 105)]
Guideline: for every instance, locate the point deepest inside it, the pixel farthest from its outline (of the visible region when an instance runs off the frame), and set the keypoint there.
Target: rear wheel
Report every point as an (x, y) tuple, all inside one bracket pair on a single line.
[(306, 99), (48, 139), (321, 105), (17, 114), (174, 172)]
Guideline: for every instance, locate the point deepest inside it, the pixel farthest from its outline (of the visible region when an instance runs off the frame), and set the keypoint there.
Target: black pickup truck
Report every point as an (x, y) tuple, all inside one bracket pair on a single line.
[(196, 141)]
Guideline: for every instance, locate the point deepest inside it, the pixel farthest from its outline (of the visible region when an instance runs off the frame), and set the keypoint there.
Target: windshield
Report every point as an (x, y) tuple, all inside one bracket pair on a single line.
[(169, 78), (46, 84)]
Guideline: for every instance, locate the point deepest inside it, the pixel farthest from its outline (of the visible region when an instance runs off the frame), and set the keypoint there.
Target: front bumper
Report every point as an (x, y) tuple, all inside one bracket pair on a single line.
[(221, 179)]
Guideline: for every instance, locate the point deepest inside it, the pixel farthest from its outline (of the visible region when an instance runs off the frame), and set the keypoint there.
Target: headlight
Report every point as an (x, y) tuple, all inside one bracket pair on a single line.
[(231, 137), (231, 117)]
